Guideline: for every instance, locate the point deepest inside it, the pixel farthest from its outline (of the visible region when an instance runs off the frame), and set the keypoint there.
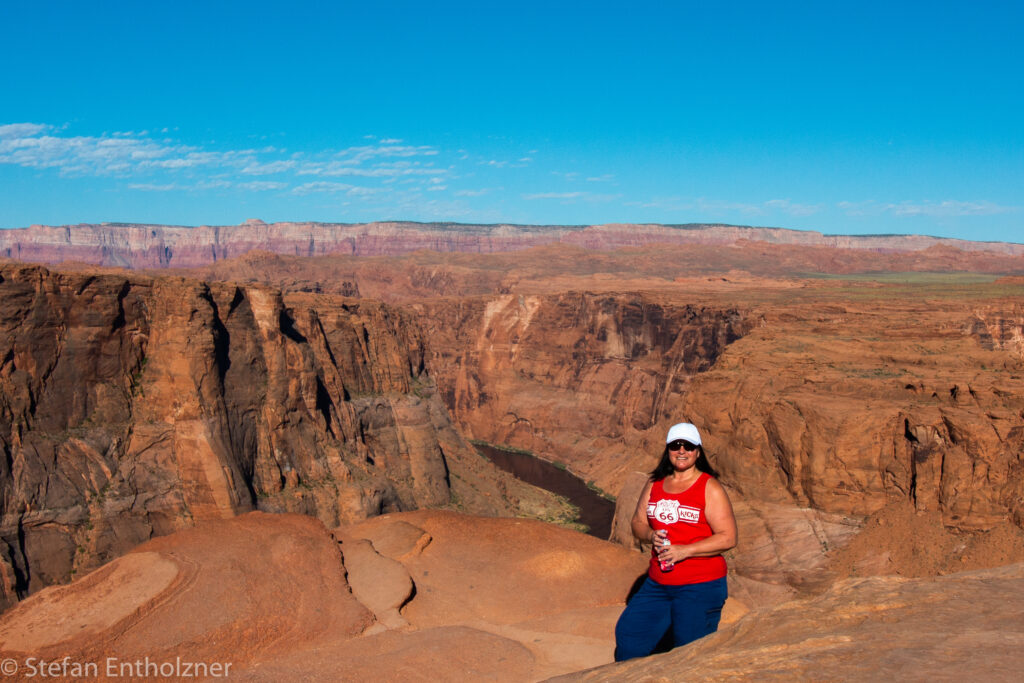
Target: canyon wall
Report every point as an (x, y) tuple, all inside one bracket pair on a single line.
[(847, 407), (839, 408), (132, 407), (579, 378)]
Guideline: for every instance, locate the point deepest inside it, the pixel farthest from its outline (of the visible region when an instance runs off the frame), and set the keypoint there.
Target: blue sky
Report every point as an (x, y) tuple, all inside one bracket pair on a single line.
[(844, 117)]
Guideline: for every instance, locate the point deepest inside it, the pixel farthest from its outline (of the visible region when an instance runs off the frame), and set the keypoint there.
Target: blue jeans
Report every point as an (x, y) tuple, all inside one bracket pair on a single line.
[(692, 611)]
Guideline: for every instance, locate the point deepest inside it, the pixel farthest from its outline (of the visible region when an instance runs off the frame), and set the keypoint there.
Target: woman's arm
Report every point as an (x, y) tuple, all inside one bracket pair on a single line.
[(641, 527), (718, 511)]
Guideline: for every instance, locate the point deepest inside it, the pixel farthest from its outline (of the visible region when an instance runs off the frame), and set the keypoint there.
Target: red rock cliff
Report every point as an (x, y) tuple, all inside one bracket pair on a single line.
[(133, 407)]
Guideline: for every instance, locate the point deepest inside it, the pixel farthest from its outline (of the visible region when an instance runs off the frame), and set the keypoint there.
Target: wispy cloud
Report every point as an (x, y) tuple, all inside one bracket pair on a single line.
[(19, 130), (257, 168), (504, 163), (152, 187), (934, 209), (572, 196), (721, 206), (160, 164), (724, 207), (554, 195), (793, 208), (262, 185), (325, 186), (383, 170)]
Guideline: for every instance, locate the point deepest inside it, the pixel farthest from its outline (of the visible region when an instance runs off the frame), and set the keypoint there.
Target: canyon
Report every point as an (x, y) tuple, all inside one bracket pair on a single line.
[(862, 398)]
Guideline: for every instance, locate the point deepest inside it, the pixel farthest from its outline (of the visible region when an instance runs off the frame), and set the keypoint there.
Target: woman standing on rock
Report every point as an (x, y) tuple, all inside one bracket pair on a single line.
[(687, 517)]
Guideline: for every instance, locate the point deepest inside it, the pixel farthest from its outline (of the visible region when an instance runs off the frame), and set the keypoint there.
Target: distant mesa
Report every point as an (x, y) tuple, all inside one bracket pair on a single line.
[(162, 246)]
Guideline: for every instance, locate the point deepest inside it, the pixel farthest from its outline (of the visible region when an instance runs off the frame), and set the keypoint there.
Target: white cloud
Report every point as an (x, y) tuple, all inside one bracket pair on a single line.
[(555, 195), (724, 206), (951, 208), (382, 170), (568, 196), (365, 191), (257, 168), (792, 208), (34, 146), (150, 187), (215, 184), (320, 186), (360, 154), (934, 209), (19, 130), (336, 188), (261, 185)]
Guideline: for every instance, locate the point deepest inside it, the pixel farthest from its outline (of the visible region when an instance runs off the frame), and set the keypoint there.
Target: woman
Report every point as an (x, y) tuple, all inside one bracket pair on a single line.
[(687, 517)]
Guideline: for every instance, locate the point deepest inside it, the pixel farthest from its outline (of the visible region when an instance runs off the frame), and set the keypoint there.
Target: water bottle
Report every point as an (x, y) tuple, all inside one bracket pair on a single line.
[(664, 565)]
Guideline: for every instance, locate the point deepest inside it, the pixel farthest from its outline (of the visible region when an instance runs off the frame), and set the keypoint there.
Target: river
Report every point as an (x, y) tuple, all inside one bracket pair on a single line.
[(596, 512)]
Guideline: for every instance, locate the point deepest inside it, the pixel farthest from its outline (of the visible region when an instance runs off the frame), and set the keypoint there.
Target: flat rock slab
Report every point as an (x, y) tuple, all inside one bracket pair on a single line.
[(380, 583), (88, 607), (964, 626)]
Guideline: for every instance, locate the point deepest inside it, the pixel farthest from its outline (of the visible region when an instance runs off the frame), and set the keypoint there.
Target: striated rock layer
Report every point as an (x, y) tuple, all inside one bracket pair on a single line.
[(576, 377), (132, 407), (153, 246), (844, 407)]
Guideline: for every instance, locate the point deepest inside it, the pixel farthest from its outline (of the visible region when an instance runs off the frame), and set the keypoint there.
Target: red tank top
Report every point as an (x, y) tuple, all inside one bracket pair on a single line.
[(683, 515)]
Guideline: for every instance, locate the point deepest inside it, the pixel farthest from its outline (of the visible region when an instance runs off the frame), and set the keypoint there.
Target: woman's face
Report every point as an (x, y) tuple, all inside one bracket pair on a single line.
[(682, 455)]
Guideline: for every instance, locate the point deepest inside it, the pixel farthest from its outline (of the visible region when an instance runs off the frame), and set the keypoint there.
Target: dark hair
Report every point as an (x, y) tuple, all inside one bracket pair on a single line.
[(665, 468)]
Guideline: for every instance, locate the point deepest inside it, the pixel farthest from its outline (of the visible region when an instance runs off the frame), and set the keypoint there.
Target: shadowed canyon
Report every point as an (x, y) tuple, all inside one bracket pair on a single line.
[(862, 398)]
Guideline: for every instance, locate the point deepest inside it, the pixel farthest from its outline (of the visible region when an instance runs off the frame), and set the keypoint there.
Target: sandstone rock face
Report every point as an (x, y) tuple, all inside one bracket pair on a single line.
[(580, 378), (434, 596), (957, 627), (834, 399), (134, 407), (221, 592), (158, 246), (846, 408)]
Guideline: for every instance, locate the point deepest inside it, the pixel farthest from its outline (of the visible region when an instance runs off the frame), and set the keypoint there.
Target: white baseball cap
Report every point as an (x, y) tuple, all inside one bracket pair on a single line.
[(685, 431)]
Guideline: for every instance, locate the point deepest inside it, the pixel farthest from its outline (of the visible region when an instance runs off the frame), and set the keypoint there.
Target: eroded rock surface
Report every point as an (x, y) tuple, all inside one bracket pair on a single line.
[(132, 407), (224, 591), (578, 377), (848, 407), (964, 626), (494, 599)]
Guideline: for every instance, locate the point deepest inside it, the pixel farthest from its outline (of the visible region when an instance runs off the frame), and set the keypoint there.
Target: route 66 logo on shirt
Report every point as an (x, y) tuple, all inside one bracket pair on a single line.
[(670, 511)]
